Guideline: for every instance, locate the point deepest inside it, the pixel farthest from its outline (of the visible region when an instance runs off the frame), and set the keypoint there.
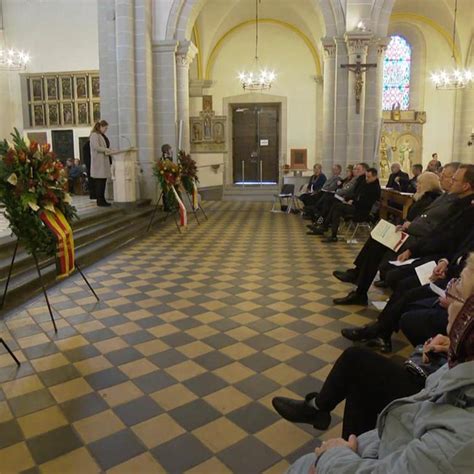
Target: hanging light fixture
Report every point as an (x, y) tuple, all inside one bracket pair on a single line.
[(11, 59), (259, 79), (456, 78)]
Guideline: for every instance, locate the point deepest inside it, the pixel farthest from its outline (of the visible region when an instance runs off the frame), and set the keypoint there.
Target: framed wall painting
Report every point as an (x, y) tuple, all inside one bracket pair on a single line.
[(81, 87), (39, 137), (95, 112), (66, 88), (82, 113), (63, 143), (51, 88), (53, 114), (299, 158), (67, 113), (36, 92), (95, 87), (38, 116)]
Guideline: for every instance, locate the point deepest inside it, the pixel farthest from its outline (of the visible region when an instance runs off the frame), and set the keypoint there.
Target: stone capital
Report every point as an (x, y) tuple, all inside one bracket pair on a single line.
[(381, 44), (318, 79), (329, 47), (165, 46), (357, 42), (186, 53)]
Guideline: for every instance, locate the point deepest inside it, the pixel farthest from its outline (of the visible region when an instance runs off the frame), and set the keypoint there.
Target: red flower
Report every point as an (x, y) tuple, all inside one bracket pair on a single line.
[(33, 147), (45, 148)]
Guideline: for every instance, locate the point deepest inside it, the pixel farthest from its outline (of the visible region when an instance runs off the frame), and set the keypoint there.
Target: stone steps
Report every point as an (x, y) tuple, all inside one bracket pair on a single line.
[(96, 235), (250, 193)]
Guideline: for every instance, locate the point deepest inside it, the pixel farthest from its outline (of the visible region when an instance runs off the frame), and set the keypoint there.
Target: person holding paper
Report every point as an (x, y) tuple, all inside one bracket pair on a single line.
[(100, 160), (423, 431), (332, 183), (358, 207), (440, 213), (409, 291)]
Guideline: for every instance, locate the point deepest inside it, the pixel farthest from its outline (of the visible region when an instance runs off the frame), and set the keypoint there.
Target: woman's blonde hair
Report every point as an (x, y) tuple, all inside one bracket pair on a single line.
[(470, 267), (427, 181), (98, 125)]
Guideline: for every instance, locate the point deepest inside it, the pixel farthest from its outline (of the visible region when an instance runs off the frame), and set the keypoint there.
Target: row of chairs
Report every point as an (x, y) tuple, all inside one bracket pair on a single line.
[(288, 202)]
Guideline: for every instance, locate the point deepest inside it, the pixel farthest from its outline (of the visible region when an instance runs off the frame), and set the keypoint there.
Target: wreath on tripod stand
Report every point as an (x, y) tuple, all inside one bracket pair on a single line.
[(33, 183)]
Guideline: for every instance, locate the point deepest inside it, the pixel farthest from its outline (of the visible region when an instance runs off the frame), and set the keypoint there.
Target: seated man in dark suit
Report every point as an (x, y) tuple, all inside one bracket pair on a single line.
[(442, 211), (409, 185), (396, 177), (316, 182), (358, 206)]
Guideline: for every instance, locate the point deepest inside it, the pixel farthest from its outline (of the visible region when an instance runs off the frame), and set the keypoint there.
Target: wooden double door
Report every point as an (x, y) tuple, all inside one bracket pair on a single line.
[(255, 135)]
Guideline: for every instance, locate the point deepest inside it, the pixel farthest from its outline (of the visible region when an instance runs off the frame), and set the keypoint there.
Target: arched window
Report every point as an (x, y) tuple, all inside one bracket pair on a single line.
[(396, 74)]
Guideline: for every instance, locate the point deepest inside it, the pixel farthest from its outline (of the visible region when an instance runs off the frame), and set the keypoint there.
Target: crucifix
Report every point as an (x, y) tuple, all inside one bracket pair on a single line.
[(358, 68)]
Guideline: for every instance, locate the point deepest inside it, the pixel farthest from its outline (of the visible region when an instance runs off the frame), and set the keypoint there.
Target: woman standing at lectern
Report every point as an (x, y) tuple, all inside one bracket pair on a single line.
[(100, 160)]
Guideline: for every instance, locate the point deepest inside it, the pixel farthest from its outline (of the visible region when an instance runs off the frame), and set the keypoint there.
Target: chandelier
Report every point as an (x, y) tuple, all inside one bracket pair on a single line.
[(259, 79), (456, 78), (13, 60)]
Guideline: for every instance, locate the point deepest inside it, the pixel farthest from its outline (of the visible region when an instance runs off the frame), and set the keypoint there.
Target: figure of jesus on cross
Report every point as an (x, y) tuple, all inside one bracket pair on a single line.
[(358, 68)]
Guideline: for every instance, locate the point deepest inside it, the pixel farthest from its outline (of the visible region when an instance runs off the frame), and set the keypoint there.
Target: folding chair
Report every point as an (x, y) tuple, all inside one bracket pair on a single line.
[(287, 192)]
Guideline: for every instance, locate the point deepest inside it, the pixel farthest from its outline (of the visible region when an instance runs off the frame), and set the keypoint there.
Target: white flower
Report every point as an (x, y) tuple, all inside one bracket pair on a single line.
[(67, 198), (33, 206), (13, 179), (50, 207)]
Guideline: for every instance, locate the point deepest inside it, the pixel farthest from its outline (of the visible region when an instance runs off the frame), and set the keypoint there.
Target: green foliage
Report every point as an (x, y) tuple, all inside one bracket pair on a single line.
[(32, 179)]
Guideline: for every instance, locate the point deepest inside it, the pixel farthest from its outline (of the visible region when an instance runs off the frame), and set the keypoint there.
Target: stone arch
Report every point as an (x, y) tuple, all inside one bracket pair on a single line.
[(314, 53), (183, 15), (380, 16)]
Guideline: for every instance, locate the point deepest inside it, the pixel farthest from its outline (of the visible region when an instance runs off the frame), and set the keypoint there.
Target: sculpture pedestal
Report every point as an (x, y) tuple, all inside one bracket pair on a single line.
[(124, 176)]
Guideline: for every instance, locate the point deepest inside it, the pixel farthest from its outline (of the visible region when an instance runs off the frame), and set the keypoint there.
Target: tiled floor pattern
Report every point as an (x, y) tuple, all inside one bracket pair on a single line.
[(173, 371)]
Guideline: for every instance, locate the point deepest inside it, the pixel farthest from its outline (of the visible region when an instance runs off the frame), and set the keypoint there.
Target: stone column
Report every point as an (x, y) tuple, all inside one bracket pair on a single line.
[(319, 124), (185, 55), (327, 158), (357, 44), (147, 151), (340, 105), (373, 100), (108, 69), (164, 93)]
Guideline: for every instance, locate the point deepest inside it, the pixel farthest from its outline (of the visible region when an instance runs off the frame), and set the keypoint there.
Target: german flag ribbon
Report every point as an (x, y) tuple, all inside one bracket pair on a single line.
[(183, 216), (59, 226), (195, 196)]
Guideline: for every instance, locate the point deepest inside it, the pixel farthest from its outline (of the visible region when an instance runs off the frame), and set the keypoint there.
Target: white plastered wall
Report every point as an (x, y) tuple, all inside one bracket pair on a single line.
[(60, 35), (279, 49)]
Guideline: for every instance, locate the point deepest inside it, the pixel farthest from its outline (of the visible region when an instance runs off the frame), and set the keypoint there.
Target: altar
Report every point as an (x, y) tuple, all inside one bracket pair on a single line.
[(401, 139)]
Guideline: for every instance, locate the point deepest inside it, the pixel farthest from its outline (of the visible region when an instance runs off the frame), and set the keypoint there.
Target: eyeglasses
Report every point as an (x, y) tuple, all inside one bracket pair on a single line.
[(452, 290)]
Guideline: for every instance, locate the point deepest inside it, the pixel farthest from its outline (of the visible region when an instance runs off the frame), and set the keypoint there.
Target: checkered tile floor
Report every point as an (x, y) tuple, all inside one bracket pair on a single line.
[(174, 370)]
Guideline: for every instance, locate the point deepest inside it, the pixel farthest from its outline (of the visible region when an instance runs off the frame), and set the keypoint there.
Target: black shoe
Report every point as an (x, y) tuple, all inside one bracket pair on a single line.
[(104, 204), (329, 240), (301, 412), (345, 277), (380, 284), (384, 344), (360, 334), (317, 231), (352, 298)]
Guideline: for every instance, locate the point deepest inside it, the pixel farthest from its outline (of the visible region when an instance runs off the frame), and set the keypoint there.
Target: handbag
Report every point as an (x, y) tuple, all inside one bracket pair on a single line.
[(416, 366)]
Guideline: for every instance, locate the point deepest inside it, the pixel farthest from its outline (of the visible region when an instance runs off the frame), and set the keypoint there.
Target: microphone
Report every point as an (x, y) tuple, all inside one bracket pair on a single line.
[(126, 138)]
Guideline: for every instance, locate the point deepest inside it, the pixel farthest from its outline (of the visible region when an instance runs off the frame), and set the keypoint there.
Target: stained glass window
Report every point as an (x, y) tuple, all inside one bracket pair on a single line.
[(396, 74)]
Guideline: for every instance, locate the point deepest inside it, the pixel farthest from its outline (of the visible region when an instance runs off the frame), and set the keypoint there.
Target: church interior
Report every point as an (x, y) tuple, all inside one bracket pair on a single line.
[(188, 190)]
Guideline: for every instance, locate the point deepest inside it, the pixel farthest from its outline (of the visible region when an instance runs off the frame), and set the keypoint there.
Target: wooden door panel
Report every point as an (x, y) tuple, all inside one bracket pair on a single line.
[(251, 124)]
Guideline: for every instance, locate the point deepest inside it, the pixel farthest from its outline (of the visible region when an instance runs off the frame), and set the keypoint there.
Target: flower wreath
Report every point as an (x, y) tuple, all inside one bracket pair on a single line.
[(32, 179), (188, 172), (168, 174)]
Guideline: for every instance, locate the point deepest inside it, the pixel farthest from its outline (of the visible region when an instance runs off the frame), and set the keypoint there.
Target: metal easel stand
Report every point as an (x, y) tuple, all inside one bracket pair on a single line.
[(199, 208), (43, 287), (10, 351), (173, 212)]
